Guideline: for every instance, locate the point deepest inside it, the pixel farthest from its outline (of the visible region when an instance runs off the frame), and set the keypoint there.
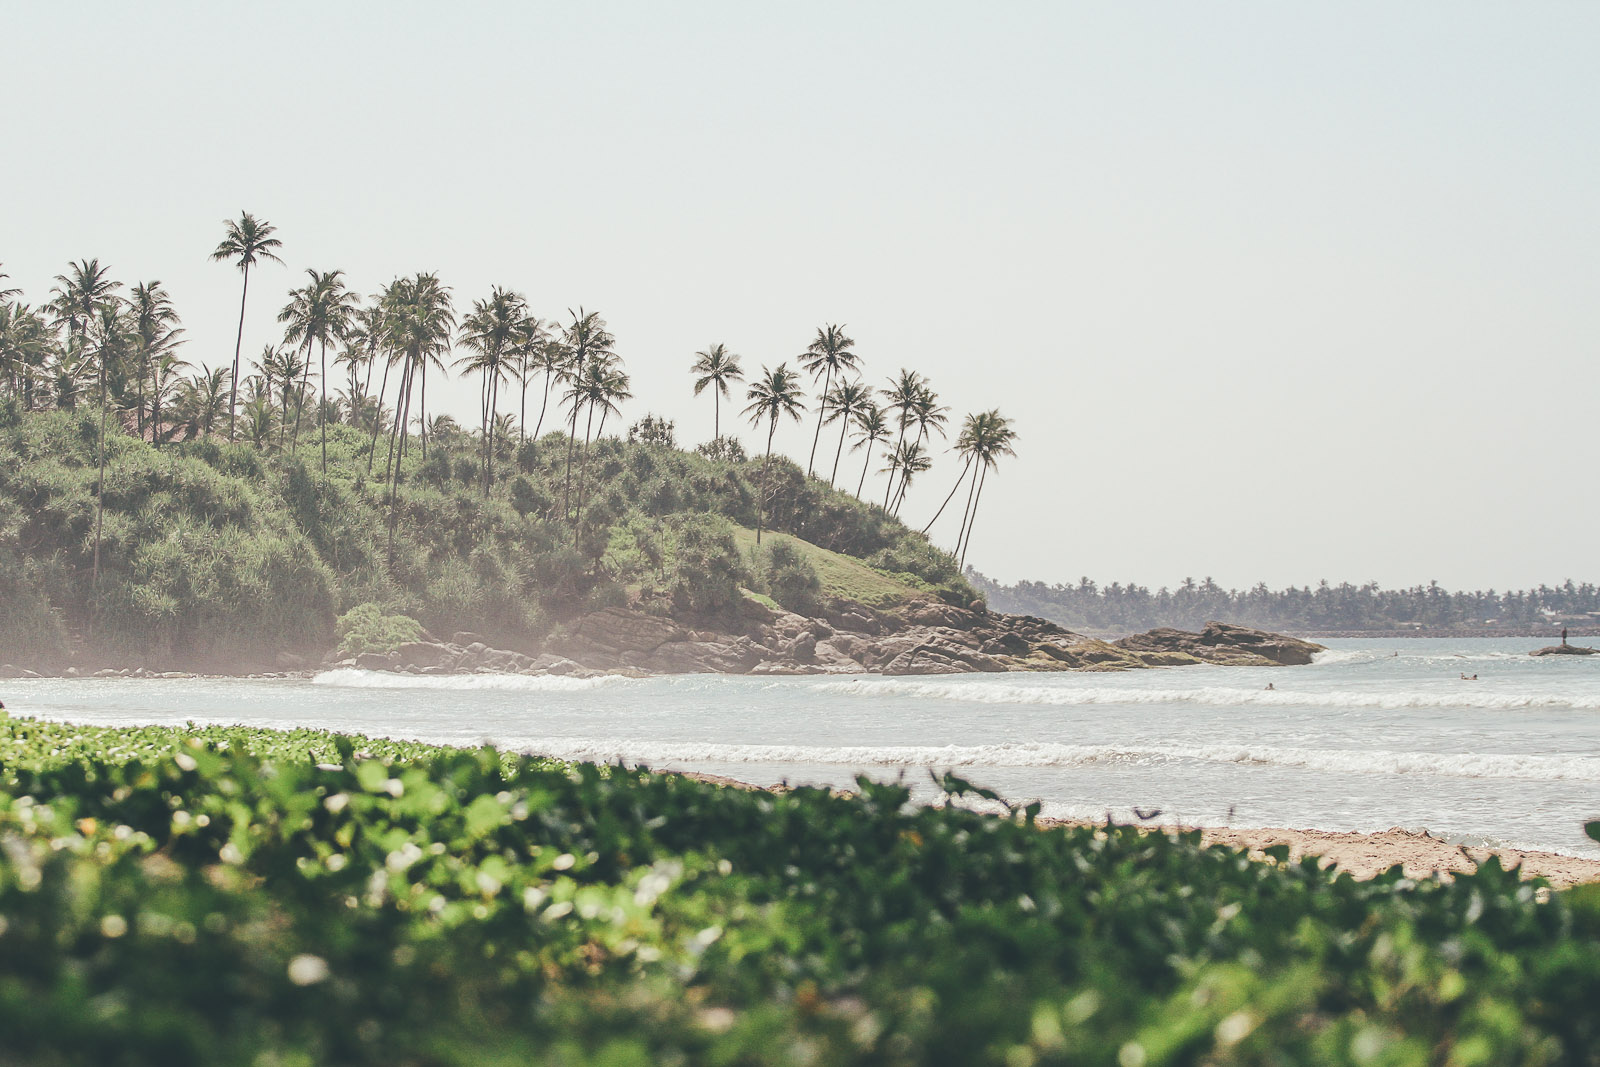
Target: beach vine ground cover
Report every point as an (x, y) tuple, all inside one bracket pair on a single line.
[(230, 896)]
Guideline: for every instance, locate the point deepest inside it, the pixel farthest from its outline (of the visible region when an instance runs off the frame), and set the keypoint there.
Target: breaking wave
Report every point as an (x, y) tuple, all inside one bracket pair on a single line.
[(1065, 696), (1047, 754), (350, 678)]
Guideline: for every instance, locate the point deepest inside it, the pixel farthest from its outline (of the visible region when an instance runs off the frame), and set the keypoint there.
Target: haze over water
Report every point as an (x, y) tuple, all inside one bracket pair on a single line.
[(1362, 740)]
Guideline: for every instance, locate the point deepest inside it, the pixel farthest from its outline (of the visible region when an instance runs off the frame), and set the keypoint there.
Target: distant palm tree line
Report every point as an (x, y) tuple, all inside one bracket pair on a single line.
[(88, 335)]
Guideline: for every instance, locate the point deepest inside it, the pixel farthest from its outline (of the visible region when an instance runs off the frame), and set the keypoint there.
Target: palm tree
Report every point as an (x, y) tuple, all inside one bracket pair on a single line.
[(531, 342), (600, 385), (156, 336), (6, 295), (871, 427), (25, 346), (109, 328), (847, 401), (777, 392), (549, 356), (828, 354), (584, 340), (419, 319), (318, 311), (492, 331), (911, 459), (164, 380), (285, 367), (902, 397), (928, 413), (246, 241), (992, 438), (200, 400), (79, 294), (716, 367)]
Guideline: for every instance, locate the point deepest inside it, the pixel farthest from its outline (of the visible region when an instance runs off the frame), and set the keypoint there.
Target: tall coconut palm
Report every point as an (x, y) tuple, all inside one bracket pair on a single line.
[(156, 334), (847, 401), (602, 386), (246, 241), (26, 341), (871, 427), (716, 367), (79, 293), (533, 338), (829, 353), (964, 449), (108, 330), (318, 312), (165, 375), (901, 397), (928, 414), (584, 340), (992, 437), (549, 356), (491, 332), (776, 393), (420, 319), (910, 459)]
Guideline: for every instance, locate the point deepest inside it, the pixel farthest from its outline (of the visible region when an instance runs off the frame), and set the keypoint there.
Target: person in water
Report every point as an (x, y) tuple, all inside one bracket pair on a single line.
[(1271, 686)]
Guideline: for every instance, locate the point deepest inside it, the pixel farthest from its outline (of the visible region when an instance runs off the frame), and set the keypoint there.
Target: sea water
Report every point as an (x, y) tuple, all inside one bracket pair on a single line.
[(1375, 734)]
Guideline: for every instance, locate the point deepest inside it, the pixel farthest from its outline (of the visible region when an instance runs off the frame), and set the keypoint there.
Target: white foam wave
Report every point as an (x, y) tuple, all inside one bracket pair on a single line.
[(1220, 696), (1049, 754), (350, 678)]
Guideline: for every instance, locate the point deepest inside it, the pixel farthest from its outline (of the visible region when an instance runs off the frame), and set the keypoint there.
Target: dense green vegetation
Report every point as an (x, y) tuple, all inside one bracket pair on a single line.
[(148, 511), (215, 550), (1131, 608), (248, 897)]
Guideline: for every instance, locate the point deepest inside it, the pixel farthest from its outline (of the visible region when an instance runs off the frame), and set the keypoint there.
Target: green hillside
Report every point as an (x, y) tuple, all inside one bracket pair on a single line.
[(210, 550)]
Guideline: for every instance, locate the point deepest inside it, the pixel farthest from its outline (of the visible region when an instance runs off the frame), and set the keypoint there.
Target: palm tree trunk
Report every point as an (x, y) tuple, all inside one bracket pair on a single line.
[(377, 414), (822, 409), (978, 500), (422, 409), (100, 486), (300, 398), (947, 499), (522, 418), (238, 344), (394, 434), (488, 452), (966, 513), (894, 463), (543, 404), (838, 452), (761, 499), (572, 438), (583, 471), (716, 412), (321, 414), (864, 465)]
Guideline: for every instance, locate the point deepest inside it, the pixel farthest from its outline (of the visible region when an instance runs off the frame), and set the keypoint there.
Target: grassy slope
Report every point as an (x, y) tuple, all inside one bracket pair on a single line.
[(842, 576)]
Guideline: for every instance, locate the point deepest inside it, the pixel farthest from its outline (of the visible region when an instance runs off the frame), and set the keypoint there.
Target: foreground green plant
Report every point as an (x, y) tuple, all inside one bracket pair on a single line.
[(255, 897)]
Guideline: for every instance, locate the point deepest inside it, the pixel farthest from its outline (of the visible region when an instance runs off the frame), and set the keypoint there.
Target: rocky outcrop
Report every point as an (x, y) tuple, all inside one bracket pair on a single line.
[(1220, 643), (1564, 650)]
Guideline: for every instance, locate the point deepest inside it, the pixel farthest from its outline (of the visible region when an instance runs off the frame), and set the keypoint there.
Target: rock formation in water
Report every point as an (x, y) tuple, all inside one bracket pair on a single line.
[(1564, 650), (923, 638)]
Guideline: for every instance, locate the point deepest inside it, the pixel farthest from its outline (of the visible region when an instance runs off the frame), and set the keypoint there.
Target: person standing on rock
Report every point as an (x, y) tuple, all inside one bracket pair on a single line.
[(1563, 635)]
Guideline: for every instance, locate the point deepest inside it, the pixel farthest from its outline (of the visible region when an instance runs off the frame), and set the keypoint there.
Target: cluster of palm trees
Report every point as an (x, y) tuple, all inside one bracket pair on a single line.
[(909, 412), (90, 335)]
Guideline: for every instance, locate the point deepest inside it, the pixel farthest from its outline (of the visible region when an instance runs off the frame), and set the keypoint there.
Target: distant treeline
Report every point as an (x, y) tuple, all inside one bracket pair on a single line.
[(1132, 608)]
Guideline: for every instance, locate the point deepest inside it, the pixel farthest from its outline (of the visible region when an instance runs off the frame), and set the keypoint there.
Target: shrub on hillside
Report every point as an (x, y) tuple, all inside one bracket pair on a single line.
[(365, 628), (707, 570), (789, 577)]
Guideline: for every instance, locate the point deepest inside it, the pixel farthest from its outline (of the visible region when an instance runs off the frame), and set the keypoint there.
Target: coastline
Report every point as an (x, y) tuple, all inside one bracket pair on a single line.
[(1361, 855)]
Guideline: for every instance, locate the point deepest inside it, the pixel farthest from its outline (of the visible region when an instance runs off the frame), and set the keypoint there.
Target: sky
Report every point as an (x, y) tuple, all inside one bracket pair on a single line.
[(1270, 292)]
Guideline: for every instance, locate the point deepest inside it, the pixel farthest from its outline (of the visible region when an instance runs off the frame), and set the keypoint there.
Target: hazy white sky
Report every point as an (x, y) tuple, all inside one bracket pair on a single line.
[(1272, 291)]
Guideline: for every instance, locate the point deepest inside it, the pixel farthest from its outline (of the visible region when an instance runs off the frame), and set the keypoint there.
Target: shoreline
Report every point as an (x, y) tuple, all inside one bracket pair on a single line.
[(1361, 855)]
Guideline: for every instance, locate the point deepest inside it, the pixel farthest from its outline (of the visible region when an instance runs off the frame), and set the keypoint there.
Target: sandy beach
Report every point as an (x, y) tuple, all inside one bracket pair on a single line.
[(1418, 853)]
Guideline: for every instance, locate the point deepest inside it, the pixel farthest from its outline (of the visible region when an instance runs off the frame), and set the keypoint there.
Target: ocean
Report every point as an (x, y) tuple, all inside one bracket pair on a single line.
[(1377, 733)]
